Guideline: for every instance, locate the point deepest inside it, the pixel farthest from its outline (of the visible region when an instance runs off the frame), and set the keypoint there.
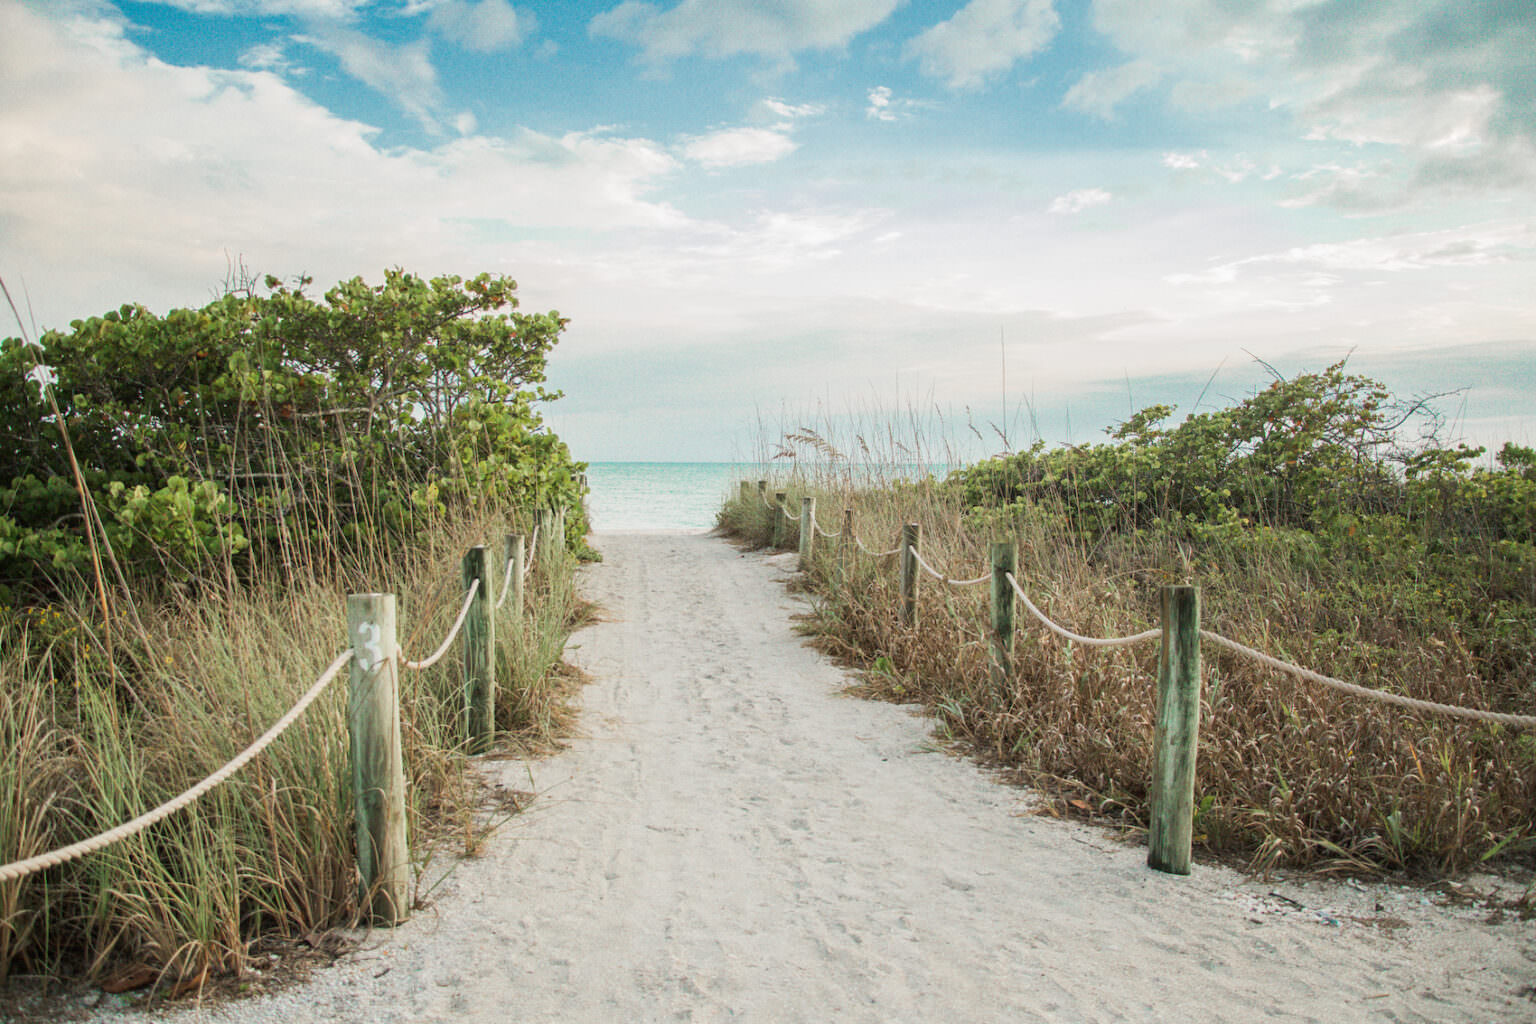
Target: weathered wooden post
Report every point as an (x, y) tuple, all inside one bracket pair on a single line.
[(516, 551), (807, 531), (762, 497), (544, 522), (1004, 560), (746, 493), (846, 545), (378, 771), (778, 518), (479, 652), (910, 533), (1176, 737), (557, 541)]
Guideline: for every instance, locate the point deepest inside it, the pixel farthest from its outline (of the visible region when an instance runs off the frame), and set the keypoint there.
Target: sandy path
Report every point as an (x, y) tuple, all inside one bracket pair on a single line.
[(734, 840)]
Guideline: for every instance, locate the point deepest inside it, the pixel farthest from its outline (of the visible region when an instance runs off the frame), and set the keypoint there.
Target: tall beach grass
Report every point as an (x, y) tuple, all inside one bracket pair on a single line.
[(1290, 773), (269, 853)]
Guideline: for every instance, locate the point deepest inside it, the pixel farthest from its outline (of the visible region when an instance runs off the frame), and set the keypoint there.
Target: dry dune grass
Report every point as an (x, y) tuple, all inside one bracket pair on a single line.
[(1290, 773)]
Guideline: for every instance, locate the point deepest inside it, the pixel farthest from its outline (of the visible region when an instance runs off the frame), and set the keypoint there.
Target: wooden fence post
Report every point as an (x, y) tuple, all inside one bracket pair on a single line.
[(807, 531), (1176, 737), (1004, 561), (557, 542), (778, 518), (746, 492), (544, 522), (378, 771), (847, 545), (910, 534), (479, 653), (516, 551)]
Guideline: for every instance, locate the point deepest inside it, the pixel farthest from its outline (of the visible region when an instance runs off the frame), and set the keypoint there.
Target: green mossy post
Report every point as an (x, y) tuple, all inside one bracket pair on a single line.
[(807, 531), (1175, 740), (746, 492), (479, 652), (378, 770), (762, 497), (778, 518), (516, 552), (910, 535), (1004, 561)]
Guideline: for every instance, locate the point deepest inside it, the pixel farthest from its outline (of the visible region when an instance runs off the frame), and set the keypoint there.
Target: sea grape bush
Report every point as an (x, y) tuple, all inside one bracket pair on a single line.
[(1308, 453), (1309, 479), (265, 424)]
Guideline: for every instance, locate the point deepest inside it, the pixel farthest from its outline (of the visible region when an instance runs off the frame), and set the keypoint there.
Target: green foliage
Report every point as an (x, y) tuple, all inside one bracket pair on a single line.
[(1316, 534), (261, 424)]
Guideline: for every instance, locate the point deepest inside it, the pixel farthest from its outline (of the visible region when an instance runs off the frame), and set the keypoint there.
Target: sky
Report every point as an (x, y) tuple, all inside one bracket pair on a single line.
[(1015, 219)]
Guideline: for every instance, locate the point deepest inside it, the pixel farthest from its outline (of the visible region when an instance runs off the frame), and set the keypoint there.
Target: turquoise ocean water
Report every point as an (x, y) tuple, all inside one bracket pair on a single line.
[(629, 496), (660, 495)]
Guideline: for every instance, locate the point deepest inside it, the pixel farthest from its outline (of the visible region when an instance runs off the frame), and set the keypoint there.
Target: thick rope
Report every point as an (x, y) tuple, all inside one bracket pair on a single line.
[(474, 588), (506, 584), (945, 579), (1518, 721), (791, 518), (22, 868), (830, 536), (1086, 641), (874, 554)]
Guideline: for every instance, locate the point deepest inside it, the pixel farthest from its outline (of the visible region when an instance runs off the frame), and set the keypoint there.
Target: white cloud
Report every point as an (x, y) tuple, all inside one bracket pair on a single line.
[(719, 28), (735, 147), (484, 27), (884, 105), (125, 177), (751, 144), (880, 104), (1317, 265), (1449, 85), (266, 57), (1099, 92), (1184, 161), (1237, 169), (983, 40), (404, 74), (324, 9), (1079, 200), (792, 111)]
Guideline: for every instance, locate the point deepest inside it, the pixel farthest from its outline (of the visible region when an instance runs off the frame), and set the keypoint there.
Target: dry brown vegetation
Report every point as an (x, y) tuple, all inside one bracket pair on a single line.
[(1290, 773)]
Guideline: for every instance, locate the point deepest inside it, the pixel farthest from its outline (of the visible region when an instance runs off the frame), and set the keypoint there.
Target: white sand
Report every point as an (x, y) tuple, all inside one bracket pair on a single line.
[(733, 839)]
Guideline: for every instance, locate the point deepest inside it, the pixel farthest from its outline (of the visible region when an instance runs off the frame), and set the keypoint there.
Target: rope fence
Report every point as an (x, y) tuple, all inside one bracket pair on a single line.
[(1078, 638), (453, 632), (373, 723), (22, 868), (931, 571), (1171, 832)]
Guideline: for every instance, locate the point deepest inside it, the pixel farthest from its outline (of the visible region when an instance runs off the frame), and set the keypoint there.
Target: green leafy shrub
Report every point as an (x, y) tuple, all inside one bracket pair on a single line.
[(263, 425)]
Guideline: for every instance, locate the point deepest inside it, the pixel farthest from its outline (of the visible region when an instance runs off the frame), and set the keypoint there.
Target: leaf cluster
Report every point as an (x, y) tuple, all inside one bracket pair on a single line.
[(265, 425)]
